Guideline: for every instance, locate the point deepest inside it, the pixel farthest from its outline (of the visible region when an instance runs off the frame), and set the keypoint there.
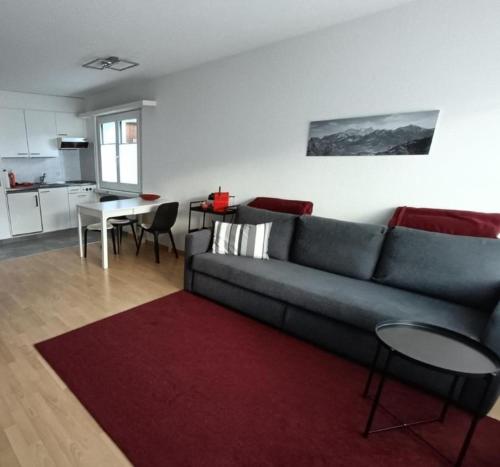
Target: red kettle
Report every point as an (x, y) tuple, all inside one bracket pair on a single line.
[(12, 179)]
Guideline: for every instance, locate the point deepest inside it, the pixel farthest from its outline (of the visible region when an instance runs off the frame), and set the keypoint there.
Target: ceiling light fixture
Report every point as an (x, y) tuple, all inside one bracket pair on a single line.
[(110, 63)]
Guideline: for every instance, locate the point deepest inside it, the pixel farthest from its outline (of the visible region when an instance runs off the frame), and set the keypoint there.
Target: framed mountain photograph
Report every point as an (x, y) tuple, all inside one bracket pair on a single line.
[(398, 134)]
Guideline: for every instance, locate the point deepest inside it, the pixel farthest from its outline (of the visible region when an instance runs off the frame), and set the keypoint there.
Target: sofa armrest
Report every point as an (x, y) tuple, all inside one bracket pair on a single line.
[(491, 334), (473, 388), (196, 243)]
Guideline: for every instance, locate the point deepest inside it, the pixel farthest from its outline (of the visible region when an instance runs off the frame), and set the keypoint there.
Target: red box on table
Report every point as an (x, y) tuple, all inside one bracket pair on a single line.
[(221, 201)]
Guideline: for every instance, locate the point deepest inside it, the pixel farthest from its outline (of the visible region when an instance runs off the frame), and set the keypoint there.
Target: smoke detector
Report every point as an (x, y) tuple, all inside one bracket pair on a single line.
[(110, 63)]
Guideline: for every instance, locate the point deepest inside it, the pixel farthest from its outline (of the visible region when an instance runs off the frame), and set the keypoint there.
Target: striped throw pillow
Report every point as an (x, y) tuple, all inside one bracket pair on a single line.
[(241, 239)]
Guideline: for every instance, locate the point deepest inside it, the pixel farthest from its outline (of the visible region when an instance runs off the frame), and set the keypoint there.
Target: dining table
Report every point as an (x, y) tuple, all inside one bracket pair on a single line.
[(108, 209)]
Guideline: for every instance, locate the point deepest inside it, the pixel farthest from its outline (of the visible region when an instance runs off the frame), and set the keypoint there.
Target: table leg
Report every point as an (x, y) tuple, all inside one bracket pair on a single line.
[(104, 241), (378, 393), (475, 419), (444, 411), (372, 370), (80, 237)]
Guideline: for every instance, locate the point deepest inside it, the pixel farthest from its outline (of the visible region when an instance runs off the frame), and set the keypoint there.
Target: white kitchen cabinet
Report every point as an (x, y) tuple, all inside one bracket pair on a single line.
[(55, 209), (76, 197), (68, 124), (24, 211), (4, 217), (13, 142), (41, 131)]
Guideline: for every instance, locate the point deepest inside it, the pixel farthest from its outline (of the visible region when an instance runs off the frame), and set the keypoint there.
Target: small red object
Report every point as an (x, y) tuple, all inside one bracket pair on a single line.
[(12, 179), (149, 196), (221, 201)]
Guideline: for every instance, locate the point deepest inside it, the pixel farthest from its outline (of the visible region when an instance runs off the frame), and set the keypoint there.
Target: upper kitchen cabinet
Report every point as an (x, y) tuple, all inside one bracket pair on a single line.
[(13, 141), (41, 131), (69, 124)]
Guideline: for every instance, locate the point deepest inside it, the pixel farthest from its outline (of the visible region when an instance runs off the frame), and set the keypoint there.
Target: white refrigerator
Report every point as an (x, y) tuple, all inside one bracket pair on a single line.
[(4, 212)]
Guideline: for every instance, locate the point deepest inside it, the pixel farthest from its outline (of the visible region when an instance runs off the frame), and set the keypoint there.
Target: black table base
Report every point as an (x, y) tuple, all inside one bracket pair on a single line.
[(476, 416), (196, 206)]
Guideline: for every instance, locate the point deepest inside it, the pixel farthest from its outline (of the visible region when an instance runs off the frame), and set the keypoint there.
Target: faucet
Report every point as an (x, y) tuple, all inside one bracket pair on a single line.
[(42, 178)]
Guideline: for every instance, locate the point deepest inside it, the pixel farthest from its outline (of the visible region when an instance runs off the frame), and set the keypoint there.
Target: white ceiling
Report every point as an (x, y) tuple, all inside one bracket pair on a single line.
[(43, 43)]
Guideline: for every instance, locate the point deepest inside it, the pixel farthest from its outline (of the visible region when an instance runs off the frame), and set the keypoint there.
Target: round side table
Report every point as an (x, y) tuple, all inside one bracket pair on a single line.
[(437, 348)]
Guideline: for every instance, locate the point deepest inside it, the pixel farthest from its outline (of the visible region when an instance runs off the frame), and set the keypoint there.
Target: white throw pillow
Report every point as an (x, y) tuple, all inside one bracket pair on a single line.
[(241, 239)]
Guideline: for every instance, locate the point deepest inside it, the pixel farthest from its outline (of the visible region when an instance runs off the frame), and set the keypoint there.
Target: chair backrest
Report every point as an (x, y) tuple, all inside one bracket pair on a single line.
[(165, 217), (105, 198)]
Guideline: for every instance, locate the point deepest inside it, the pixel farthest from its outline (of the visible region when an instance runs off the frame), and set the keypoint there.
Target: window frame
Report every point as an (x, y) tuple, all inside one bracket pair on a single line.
[(117, 117)]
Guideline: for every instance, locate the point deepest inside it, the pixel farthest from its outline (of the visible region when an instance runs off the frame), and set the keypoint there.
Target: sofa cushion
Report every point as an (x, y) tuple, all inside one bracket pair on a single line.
[(357, 302), (461, 269), (242, 239), (290, 206), (450, 221), (346, 248), (281, 232)]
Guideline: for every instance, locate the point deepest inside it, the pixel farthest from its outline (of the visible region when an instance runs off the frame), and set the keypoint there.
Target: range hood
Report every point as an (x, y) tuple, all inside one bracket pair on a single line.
[(72, 143)]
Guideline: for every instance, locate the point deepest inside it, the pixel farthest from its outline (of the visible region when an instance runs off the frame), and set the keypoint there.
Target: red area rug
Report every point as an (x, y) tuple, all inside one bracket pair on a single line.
[(182, 381)]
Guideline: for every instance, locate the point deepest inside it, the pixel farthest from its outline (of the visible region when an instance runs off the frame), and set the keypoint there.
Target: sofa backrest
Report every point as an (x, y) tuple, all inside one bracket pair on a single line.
[(282, 229), (460, 269), (346, 248)]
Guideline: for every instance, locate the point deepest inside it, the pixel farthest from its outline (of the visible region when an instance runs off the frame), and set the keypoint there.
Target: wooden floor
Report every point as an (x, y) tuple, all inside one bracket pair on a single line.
[(41, 296), (41, 422)]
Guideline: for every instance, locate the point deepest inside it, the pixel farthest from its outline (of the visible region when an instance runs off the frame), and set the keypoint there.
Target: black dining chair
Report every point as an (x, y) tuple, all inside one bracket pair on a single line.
[(105, 198), (163, 221), (120, 222)]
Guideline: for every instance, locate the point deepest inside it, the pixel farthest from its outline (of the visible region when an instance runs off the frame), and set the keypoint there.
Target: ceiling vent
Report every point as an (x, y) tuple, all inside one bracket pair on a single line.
[(110, 63)]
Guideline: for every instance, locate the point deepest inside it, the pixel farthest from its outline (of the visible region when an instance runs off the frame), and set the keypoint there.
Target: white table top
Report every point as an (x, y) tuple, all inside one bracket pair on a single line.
[(107, 209), (127, 206)]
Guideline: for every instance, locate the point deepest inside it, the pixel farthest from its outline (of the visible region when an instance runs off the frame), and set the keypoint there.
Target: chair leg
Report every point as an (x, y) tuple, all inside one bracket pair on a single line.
[(114, 240), (173, 243), (119, 233), (135, 236), (140, 242), (85, 236), (157, 248)]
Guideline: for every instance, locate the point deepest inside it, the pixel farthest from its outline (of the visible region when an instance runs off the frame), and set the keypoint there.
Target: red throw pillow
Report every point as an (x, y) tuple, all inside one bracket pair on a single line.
[(282, 205), (470, 223)]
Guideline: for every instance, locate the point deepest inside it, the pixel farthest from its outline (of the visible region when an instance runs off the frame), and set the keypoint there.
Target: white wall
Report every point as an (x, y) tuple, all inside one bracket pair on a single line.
[(65, 167), (242, 122)]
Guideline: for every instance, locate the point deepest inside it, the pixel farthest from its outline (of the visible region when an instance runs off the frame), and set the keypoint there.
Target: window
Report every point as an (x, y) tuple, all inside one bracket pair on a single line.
[(119, 151)]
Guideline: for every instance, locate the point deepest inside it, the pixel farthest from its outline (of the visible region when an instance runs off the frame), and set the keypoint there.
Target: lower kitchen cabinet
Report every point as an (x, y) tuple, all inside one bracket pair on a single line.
[(55, 209), (47, 210), (24, 210), (4, 217), (78, 195)]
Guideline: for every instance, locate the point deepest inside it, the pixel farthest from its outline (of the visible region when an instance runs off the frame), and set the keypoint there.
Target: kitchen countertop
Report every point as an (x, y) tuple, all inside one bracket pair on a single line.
[(37, 186)]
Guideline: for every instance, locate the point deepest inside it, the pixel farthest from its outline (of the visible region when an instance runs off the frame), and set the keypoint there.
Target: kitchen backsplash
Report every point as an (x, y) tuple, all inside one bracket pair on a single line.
[(87, 166), (62, 168)]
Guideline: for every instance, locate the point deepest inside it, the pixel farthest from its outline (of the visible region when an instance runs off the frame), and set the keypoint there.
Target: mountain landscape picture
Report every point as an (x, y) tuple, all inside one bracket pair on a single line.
[(407, 133)]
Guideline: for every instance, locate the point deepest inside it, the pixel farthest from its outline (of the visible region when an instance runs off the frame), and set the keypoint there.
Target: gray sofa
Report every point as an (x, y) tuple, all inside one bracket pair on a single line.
[(330, 282)]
